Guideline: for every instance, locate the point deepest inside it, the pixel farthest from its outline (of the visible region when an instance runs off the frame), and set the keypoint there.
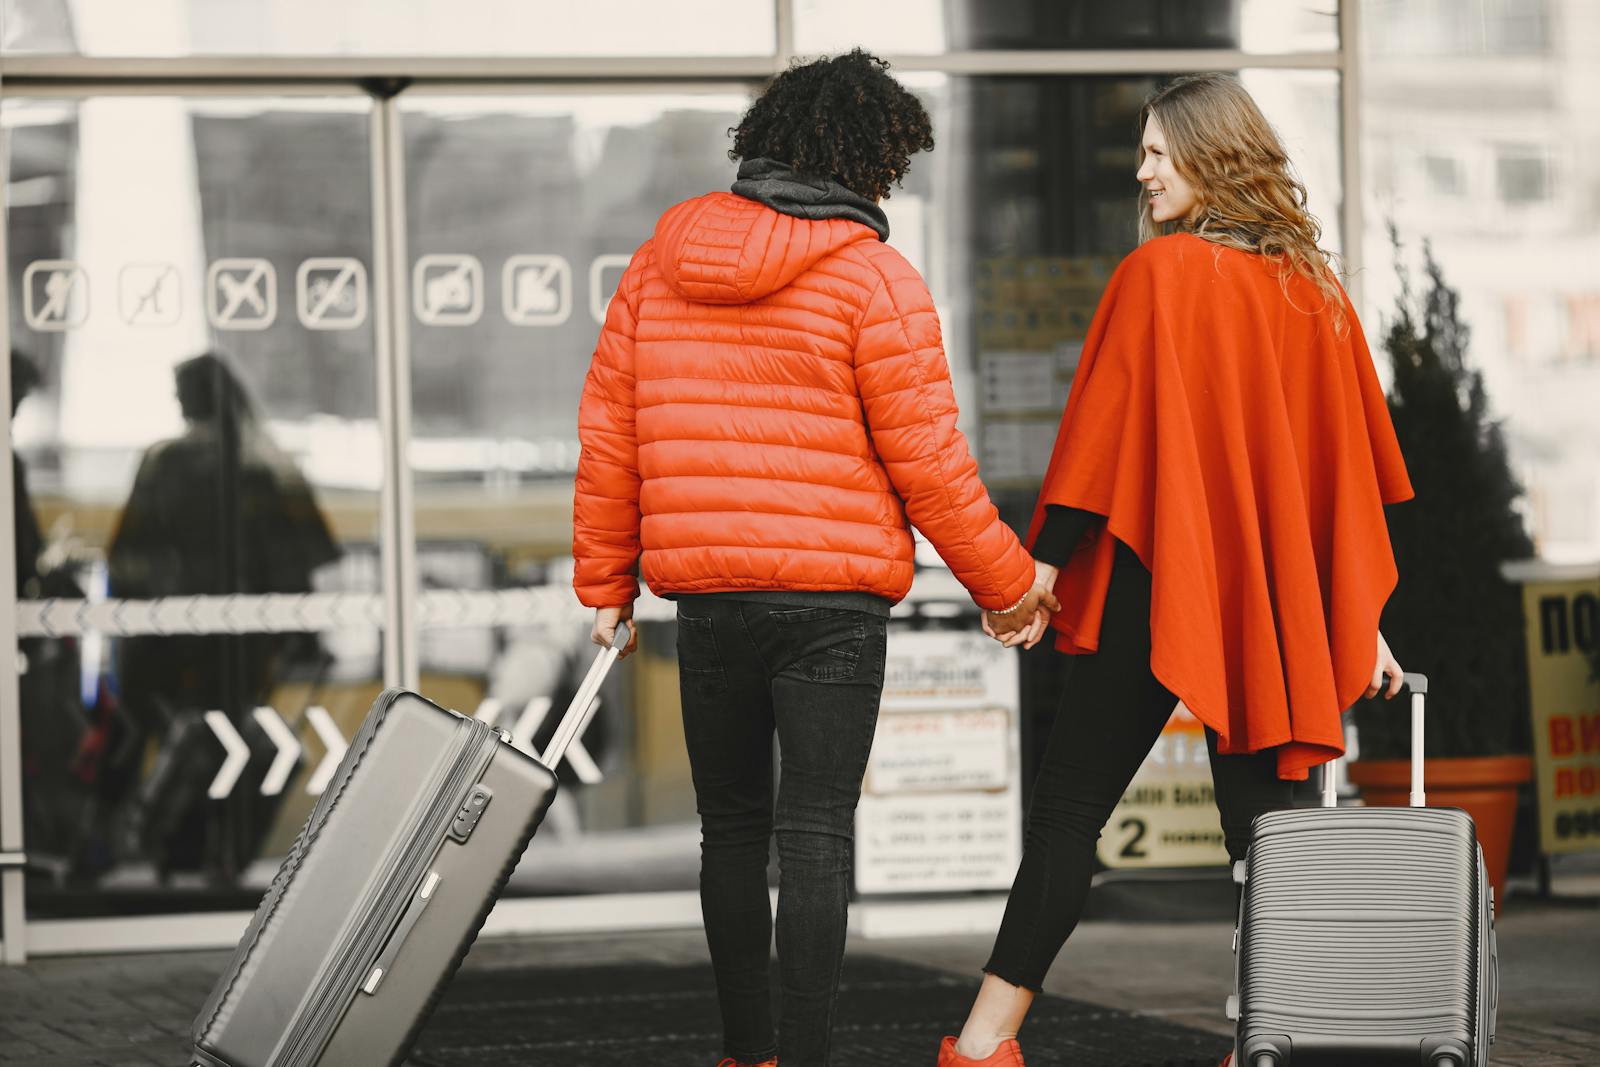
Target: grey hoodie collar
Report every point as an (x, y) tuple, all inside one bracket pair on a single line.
[(805, 196)]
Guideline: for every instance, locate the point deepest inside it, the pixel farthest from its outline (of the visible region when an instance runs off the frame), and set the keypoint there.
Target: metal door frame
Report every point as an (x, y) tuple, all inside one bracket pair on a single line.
[(383, 79)]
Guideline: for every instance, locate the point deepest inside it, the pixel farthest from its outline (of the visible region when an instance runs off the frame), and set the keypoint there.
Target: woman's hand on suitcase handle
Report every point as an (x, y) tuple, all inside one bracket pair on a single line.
[(605, 628), (1386, 665)]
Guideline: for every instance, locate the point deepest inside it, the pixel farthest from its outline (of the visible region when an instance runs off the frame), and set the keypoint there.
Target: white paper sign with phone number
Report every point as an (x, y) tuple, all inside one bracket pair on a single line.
[(941, 807)]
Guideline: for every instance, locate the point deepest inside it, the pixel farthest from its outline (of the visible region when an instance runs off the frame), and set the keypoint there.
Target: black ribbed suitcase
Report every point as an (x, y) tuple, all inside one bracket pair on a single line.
[(385, 889), (1366, 935)]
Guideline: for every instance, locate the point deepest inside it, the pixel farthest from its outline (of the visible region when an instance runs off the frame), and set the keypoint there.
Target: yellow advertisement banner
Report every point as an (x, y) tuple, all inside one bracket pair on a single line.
[(1168, 815), (1562, 611)]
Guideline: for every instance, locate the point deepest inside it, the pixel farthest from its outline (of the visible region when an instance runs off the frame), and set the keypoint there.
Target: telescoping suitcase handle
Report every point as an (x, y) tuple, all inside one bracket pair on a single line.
[(581, 710), (1418, 685)]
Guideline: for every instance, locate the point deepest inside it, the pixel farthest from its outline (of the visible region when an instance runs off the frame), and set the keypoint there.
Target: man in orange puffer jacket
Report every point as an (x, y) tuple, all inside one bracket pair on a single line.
[(768, 411)]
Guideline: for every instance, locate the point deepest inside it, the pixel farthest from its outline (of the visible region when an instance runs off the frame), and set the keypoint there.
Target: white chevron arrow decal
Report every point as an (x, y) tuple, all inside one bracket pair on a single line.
[(489, 711), (288, 751), (533, 716), (583, 764), (528, 724), (238, 755), (333, 741)]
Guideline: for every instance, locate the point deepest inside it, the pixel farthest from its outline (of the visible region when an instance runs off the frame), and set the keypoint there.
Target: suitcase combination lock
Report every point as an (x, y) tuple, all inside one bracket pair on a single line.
[(470, 812)]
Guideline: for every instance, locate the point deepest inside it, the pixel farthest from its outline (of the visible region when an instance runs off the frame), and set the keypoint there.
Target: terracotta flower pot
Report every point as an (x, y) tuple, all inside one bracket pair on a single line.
[(1485, 787)]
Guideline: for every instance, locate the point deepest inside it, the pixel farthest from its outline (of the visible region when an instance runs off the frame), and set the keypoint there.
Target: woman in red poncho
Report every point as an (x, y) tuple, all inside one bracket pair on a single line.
[(1212, 520)]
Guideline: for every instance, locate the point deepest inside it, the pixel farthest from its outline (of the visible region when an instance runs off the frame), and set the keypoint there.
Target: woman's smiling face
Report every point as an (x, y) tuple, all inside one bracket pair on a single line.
[(1171, 198)]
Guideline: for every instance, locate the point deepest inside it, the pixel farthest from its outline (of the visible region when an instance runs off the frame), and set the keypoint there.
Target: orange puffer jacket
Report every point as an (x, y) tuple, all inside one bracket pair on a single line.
[(768, 403)]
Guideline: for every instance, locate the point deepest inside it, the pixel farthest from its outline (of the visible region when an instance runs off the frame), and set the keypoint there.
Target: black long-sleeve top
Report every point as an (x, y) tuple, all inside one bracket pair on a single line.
[(1063, 529)]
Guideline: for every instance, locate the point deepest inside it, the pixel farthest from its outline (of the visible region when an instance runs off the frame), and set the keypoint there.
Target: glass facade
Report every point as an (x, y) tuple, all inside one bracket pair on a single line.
[(206, 602), (253, 242)]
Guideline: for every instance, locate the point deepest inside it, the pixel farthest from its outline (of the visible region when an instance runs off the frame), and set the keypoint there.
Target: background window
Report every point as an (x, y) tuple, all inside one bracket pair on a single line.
[(1522, 177), (1432, 28), (1445, 175)]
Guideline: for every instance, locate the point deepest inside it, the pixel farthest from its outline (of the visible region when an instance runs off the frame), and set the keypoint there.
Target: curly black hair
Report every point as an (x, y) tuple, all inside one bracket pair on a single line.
[(842, 117)]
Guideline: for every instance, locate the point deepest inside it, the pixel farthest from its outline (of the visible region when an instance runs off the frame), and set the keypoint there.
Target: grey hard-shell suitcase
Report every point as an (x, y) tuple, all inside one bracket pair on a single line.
[(386, 887), (1366, 935)]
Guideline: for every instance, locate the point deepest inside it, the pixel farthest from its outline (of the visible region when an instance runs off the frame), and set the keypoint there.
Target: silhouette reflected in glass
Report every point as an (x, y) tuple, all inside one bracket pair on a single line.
[(219, 509)]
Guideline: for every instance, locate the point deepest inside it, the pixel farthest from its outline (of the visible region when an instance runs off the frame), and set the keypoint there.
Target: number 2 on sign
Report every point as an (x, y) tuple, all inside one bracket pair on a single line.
[(1130, 848)]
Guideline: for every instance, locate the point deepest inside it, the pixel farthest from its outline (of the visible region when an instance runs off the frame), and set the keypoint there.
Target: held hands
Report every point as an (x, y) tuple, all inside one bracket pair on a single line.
[(1386, 664), (1026, 623), (605, 628)]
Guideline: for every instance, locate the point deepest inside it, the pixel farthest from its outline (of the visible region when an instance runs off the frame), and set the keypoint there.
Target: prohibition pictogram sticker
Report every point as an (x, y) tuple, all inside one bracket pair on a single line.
[(331, 293), (536, 290), (600, 292), (150, 294), (447, 289), (241, 294), (55, 295)]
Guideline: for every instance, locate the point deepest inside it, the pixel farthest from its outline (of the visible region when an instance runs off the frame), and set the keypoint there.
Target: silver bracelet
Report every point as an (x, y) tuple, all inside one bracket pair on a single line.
[(1015, 606)]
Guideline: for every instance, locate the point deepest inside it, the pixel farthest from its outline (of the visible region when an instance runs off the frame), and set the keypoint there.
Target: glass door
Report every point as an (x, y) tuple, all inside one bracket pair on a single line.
[(198, 468), (521, 213)]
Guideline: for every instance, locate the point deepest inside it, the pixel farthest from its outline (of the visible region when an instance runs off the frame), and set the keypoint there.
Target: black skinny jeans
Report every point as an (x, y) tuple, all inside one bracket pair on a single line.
[(1112, 710), (815, 676)]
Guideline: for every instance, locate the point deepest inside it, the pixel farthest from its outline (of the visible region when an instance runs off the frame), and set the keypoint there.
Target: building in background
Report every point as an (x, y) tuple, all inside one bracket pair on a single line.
[(1481, 136)]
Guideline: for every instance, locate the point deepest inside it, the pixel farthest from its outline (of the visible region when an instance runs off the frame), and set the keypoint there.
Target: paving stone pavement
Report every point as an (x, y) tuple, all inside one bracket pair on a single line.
[(1549, 973), (126, 1011)]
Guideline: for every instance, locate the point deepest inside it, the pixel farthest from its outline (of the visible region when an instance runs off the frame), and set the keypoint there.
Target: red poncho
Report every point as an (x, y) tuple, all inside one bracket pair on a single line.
[(1242, 447)]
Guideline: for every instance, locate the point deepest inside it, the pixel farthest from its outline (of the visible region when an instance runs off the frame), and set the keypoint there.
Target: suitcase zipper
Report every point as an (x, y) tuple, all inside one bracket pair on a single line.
[(475, 747)]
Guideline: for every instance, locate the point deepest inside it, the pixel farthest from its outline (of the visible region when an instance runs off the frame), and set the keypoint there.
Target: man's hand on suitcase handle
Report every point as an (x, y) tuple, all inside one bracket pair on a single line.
[(1386, 665), (605, 628)]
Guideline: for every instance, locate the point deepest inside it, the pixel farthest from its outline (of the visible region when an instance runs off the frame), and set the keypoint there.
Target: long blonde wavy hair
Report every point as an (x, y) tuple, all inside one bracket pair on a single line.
[(1247, 195)]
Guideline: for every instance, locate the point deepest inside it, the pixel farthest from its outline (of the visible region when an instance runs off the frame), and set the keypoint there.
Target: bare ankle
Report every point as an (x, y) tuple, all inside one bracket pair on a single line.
[(996, 1016), (976, 1048), (979, 1045)]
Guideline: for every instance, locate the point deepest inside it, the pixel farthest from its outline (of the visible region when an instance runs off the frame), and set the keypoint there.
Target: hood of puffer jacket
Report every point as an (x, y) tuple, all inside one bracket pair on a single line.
[(726, 249)]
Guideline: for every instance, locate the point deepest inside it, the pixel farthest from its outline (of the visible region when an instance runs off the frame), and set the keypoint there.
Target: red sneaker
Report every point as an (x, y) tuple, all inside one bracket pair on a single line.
[(1227, 1061), (731, 1062), (1007, 1054)]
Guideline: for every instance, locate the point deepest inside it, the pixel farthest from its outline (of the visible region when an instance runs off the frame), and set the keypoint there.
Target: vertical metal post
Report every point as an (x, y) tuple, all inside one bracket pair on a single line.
[(392, 337), (1351, 216), (784, 13), (13, 905)]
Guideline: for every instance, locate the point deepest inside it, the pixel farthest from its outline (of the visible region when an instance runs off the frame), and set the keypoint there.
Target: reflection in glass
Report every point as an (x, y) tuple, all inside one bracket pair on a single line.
[(196, 433), (219, 509)]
